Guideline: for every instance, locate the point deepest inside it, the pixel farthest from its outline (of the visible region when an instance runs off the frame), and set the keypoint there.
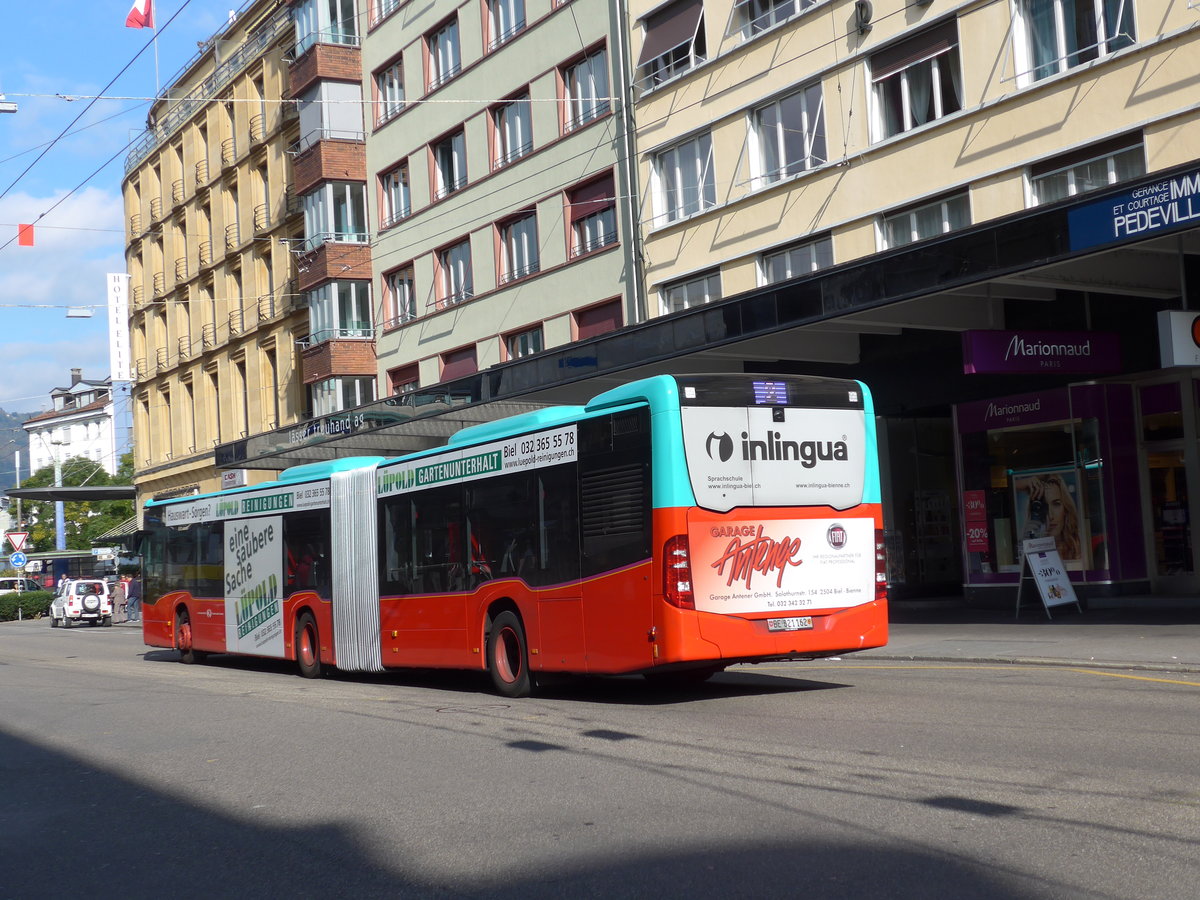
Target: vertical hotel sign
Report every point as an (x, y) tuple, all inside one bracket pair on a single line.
[(118, 326)]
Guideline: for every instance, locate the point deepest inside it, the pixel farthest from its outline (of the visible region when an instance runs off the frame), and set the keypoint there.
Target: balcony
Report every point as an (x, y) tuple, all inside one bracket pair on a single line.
[(206, 254), (333, 259), (208, 336), (135, 225), (156, 209), (160, 283), (269, 306), (237, 323), (137, 295), (324, 56), (262, 217), (232, 238), (181, 269), (162, 361), (201, 173), (258, 128), (325, 154), (333, 358), (228, 151), (177, 190), (184, 347)]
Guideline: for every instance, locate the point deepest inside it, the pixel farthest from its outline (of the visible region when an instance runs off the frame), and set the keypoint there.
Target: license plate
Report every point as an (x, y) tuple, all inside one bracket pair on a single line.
[(798, 623)]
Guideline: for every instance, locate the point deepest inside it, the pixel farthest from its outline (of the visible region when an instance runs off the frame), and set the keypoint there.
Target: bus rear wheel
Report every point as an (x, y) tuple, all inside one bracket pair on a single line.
[(183, 640), (308, 646), (508, 656)]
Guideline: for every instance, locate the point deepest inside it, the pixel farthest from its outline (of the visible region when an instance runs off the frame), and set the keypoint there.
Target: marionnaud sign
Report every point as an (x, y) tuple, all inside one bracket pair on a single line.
[(1021, 352), (1144, 211)]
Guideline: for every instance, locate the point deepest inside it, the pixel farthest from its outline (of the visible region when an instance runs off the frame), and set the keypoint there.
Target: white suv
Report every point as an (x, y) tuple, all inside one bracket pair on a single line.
[(81, 600)]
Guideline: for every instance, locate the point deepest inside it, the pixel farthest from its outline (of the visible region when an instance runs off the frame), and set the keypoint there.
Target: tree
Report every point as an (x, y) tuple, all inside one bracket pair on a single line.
[(83, 520)]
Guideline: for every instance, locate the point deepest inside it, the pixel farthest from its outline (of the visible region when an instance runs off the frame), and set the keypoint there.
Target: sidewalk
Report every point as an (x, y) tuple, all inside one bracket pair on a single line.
[(1150, 633)]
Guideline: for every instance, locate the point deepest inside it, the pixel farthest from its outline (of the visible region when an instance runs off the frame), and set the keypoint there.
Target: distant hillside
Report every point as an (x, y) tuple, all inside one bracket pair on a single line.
[(11, 430)]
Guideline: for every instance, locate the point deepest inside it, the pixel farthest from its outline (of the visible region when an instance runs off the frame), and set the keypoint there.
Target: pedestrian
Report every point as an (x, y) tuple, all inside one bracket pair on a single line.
[(118, 600), (133, 599)]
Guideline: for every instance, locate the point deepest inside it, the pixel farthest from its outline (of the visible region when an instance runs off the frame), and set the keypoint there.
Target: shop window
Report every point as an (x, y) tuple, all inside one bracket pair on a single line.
[(695, 290), (673, 43), (1052, 36), (1089, 169), (917, 80), (796, 260), (919, 223)]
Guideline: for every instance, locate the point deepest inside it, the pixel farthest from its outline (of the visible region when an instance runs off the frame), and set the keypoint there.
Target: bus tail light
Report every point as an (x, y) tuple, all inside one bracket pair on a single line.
[(677, 573), (880, 566)]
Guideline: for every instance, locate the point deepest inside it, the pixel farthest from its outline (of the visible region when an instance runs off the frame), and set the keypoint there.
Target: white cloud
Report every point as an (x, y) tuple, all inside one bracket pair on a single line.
[(75, 246)]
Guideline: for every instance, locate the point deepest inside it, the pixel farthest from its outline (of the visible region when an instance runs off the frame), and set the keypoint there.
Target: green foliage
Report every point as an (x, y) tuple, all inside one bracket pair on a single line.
[(83, 520), (31, 603)]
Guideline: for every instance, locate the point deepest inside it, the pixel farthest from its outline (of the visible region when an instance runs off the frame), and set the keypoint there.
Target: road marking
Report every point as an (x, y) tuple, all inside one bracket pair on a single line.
[(1137, 677)]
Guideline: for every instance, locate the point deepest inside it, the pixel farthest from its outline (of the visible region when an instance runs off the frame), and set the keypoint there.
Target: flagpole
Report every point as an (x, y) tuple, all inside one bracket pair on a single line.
[(154, 41)]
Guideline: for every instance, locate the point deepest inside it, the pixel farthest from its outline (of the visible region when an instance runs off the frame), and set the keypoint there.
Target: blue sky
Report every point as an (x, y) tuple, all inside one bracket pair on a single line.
[(50, 50)]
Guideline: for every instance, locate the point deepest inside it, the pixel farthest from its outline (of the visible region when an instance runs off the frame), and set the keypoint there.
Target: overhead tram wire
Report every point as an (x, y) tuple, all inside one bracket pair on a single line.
[(84, 111)]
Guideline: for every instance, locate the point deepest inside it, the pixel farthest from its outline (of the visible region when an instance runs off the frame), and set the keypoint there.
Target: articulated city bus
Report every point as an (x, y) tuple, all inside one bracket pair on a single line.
[(672, 527)]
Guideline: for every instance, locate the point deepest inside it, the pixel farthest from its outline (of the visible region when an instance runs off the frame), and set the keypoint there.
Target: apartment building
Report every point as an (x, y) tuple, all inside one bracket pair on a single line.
[(497, 187), (214, 310), (81, 423), (889, 190)]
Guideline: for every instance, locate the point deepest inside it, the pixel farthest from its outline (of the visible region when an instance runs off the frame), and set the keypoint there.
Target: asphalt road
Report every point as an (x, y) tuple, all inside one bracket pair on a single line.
[(126, 774)]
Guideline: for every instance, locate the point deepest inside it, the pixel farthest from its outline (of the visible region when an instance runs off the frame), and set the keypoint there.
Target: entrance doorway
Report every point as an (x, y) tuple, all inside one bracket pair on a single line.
[(1169, 451)]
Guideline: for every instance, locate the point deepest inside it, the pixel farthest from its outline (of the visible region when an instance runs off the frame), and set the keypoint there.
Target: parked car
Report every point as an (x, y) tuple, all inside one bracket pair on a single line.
[(18, 585), (81, 600)]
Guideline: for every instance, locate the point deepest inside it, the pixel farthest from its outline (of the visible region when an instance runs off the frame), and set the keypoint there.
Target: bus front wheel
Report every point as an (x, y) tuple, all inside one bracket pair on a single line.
[(308, 646), (508, 656)]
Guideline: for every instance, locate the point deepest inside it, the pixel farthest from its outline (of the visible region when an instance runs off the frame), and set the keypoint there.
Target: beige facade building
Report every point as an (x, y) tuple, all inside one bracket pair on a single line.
[(214, 317)]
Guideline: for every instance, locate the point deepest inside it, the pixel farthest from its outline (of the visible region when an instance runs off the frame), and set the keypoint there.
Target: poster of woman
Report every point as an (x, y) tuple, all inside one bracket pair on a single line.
[(1046, 506)]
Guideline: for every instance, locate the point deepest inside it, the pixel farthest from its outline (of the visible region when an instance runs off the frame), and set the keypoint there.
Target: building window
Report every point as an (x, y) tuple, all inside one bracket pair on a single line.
[(796, 260), (401, 297), (684, 179), (340, 309), (336, 211), (459, 363), (450, 164), (597, 320), (918, 223), (917, 81), (524, 343), (1089, 169), (695, 290), (593, 216), (519, 248), (404, 379), (345, 392), (1055, 35), (324, 22), (585, 90), (455, 282), (514, 135), (445, 57), (506, 19), (396, 201), (674, 42), (752, 17), (790, 134), (381, 9), (389, 90)]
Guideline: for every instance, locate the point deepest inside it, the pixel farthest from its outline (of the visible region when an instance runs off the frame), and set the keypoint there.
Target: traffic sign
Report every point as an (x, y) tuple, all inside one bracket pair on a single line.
[(17, 539), (17, 559)]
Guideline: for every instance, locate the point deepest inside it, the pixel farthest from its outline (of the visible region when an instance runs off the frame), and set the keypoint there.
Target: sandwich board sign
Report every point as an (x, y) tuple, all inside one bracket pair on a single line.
[(1044, 567)]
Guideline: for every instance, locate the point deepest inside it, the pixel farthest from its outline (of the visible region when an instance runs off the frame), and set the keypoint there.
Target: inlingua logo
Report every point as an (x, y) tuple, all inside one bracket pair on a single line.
[(719, 446)]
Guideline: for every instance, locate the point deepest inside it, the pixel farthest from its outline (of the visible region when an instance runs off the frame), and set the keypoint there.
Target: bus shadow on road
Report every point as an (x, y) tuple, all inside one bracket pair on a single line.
[(625, 689)]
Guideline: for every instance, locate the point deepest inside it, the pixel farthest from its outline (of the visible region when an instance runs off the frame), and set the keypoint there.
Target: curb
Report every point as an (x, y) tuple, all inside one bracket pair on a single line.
[(1185, 668)]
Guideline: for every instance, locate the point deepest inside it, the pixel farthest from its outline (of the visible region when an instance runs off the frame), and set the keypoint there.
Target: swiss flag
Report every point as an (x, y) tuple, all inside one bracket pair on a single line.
[(141, 14)]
